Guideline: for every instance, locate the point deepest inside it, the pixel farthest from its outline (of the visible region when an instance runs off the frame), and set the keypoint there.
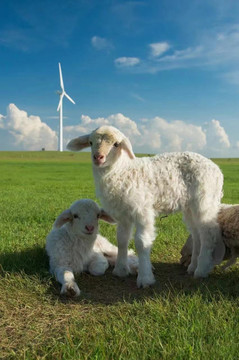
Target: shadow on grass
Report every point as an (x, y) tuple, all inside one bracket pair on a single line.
[(171, 280), (30, 261)]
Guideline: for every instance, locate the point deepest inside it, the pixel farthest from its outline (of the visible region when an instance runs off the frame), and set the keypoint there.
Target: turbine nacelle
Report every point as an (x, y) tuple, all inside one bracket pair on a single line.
[(62, 94)]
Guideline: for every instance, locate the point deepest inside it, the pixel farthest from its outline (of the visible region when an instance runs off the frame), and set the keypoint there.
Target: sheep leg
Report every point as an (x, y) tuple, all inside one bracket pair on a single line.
[(98, 264), (188, 219), (186, 252), (123, 236), (232, 260), (65, 276), (144, 238), (210, 238), (195, 253)]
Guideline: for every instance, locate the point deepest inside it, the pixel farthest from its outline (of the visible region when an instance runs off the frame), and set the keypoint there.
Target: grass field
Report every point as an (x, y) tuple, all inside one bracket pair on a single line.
[(178, 318)]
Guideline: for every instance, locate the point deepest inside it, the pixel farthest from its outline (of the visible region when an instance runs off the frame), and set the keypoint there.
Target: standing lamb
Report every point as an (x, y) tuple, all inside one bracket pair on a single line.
[(74, 245), (133, 190)]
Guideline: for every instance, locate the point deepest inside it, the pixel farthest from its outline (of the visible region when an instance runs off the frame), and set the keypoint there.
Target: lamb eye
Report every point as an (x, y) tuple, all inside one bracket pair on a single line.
[(76, 216), (116, 144), (98, 216), (90, 142)]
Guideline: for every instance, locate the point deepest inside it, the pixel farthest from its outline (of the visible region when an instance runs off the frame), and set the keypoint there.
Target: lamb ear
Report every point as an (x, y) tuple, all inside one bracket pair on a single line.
[(64, 217), (106, 217), (218, 253), (126, 145), (79, 143)]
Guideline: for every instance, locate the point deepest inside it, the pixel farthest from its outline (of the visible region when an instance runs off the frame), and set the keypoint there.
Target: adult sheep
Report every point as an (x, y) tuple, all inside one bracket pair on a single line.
[(134, 190)]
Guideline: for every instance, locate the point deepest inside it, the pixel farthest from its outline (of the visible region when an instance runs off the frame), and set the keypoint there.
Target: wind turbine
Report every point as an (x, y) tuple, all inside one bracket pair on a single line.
[(62, 93)]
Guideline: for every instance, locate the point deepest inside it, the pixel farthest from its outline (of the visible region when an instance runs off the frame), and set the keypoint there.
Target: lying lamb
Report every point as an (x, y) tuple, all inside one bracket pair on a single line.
[(74, 245), (133, 190), (228, 218)]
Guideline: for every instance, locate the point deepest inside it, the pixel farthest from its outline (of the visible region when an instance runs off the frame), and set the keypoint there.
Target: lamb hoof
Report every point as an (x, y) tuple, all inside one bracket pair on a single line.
[(133, 269), (121, 270), (145, 281), (191, 269), (133, 263), (185, 261), (70, 290), (200, 274)]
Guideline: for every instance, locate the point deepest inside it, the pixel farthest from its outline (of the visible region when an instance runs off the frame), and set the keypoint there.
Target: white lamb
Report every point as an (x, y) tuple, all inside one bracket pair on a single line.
[(133, 190), (74, 245)]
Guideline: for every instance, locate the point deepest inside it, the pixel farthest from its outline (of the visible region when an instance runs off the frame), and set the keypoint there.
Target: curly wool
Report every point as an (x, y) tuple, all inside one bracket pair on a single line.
[(165, 183)]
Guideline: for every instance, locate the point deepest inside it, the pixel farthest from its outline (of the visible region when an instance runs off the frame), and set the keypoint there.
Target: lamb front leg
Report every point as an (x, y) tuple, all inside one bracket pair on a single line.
[(124, 231), (144, 238), (65, 276)]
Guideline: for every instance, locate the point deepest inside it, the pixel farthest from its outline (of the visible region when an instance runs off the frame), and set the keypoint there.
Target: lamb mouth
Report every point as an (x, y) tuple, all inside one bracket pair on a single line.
[(89, 233), (99, 163)]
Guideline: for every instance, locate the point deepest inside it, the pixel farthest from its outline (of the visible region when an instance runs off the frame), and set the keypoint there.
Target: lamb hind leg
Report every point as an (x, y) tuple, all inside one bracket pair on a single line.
[(211, 239), (98, 264), (144, 238), (195, 253), (195, 241), (123, 236)]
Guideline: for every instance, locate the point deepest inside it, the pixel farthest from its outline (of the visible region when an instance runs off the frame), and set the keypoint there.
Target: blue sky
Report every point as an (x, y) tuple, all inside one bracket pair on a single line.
[(165, 72)]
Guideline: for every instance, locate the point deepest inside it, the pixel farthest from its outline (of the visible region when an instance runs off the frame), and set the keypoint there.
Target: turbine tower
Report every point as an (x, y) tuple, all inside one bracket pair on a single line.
[(62, 93)]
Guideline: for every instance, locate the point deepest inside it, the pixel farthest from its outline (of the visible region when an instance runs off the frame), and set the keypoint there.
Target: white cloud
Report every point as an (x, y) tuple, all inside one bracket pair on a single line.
[(127, 61), (26, 132), (19, 131), (100, 43), (217, 50), (217, 137), (125, 124), (137, 97), (158, 135), (183, 55), (159, 48), (2, 121)]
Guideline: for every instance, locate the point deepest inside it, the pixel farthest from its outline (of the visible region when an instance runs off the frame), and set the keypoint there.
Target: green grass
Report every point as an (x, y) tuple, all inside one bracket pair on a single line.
[(178, 318)]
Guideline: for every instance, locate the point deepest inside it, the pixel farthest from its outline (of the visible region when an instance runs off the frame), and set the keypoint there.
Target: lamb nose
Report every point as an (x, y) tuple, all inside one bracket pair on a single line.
[(98, 157), (89, 228)]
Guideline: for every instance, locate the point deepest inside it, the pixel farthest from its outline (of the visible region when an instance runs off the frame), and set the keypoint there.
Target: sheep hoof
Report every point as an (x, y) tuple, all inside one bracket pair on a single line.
[(70, 290), (200, 274), (121, 270), (191, 269), (145, 281), (133, 269), (133, 263)]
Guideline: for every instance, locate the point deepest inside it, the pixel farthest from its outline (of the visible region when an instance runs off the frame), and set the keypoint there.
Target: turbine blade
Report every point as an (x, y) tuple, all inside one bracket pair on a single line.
[(69, 98), (61, 78), (60, 102)]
